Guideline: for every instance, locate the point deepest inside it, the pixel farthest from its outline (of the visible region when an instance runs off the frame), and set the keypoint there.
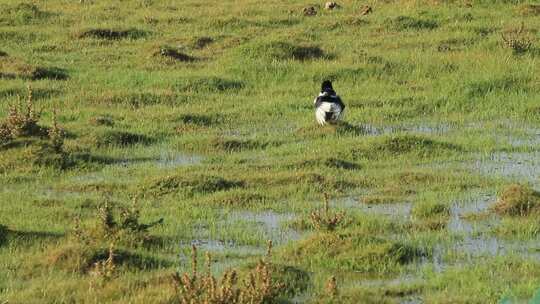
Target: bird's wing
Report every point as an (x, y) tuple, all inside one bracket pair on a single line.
[(320, 115), (336, 109)]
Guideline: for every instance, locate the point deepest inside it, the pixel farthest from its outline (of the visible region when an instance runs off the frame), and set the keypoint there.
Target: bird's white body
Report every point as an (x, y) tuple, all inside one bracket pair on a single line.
[(328, 111)]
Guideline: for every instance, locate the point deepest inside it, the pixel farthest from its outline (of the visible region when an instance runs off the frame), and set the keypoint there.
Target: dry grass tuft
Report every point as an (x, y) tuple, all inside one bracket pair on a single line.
[(331, 287), (529, 9), (518, 200), (517, 39)]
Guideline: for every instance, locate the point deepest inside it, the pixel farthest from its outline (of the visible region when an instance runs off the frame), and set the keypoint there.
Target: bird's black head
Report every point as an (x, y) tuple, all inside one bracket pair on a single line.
[(326, 86)]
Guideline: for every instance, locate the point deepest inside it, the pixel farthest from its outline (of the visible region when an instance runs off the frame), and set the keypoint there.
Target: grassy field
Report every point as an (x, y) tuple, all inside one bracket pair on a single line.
[(132, 130)]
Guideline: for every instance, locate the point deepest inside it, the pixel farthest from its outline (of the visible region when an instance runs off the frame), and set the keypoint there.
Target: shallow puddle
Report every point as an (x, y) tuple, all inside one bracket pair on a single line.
[(171, 159), (521, 166), (476, 239), (265, 225), (391, 282), (207, 245), (461, 209), (398, 210), (269, 224), (368, 129)]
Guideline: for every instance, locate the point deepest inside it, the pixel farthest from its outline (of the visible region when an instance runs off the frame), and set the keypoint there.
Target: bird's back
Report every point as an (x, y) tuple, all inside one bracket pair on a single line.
[(328, 110)]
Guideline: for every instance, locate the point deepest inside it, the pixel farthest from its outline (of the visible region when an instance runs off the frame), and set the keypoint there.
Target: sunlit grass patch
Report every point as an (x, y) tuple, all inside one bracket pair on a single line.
[(189, 184), (351, 251)]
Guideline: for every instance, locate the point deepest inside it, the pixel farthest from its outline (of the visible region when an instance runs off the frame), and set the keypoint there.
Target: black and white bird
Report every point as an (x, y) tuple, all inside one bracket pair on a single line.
[(328, 105)]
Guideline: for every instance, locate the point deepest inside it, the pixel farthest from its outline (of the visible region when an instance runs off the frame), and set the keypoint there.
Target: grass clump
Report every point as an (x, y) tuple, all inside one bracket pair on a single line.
[(14, 68), (174, 54), (279, 50), (237, 145), (21, 14), (190, 184), (401, 144), (111, 34), (102, 120), (403, 23), (352, 251), (518, 200), (3, 234), (529, 9), (108, 138), (210, 84), (430, 215), (427, 209), (259, 286)]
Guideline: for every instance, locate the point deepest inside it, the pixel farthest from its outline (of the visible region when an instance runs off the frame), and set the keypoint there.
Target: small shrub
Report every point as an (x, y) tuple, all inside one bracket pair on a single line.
[(5, 134), (125, 227), (105, 268), (518, 40), (23, 121), (56, 135), (44, 154), (259, 286), (518, 200), (324, 219)]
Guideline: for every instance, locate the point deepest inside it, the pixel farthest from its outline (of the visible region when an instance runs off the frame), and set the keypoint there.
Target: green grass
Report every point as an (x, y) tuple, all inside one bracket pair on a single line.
[(200, 109)]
